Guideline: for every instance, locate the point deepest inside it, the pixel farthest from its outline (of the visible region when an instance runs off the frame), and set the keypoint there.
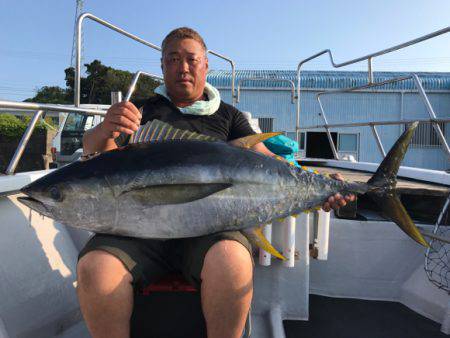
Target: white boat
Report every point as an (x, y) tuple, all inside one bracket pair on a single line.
[(366, 258)]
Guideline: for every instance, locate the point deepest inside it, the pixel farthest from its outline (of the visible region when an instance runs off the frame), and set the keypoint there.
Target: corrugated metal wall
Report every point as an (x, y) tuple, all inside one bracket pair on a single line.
[(354, 107)]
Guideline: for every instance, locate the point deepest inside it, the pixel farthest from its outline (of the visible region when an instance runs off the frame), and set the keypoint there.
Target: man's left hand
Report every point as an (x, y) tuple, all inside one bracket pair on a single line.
[(336, 201)]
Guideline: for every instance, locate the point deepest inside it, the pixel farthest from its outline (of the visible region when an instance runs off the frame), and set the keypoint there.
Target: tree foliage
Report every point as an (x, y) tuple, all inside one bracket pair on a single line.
[(50, 94), (97, 86), (12, 127)]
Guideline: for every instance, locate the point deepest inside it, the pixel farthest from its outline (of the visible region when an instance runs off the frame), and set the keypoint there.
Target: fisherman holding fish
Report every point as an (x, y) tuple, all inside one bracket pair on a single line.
[(111, 267)]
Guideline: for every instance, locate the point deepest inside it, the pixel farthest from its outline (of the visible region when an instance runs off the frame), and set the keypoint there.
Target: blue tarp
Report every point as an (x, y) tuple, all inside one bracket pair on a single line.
[(284, 147)]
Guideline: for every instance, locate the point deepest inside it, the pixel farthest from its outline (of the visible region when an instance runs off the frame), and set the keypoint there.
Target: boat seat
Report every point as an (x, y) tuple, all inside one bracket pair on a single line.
[(169, 308), (170, 283)]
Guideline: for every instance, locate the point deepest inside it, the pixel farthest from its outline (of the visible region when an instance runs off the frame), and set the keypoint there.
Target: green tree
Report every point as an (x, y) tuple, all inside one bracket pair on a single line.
[(53, 94), (97, 86)]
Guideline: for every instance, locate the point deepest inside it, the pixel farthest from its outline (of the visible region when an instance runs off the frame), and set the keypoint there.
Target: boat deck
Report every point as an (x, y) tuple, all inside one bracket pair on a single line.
[(423, 200), (329, 318), (353, 318), (404, 186)]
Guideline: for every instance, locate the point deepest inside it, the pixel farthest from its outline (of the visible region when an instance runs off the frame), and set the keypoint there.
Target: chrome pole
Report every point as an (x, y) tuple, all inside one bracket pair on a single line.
[(23, 143), (50, 107), (233, 74), (377, 123), (373, 55), (430, 110), (369, 70), (78, 51), (291, 83), (136, 77), (116, 97), (381, 52), (327, 129), (377, 138)]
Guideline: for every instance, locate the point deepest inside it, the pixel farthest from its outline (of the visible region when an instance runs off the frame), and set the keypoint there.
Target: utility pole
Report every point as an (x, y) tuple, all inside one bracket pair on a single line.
[(78, 11)]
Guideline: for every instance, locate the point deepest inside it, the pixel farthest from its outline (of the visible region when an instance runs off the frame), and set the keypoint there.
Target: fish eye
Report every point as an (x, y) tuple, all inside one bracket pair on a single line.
[(55, 194)]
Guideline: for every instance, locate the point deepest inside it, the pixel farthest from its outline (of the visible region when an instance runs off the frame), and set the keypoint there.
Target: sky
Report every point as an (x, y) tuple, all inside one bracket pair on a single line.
[(36, 36)]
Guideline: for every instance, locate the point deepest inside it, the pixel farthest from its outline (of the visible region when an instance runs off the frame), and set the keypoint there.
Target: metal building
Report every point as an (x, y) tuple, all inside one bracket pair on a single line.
[(269, 96)]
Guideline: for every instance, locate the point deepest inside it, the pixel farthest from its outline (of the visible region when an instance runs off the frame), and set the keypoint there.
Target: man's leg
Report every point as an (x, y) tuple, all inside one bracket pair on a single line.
[(105, 294), (226, 288)]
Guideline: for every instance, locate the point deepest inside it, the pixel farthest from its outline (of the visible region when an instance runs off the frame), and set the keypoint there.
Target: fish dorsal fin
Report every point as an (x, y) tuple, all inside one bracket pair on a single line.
[(251, 140), (157, 130), (256, 237)]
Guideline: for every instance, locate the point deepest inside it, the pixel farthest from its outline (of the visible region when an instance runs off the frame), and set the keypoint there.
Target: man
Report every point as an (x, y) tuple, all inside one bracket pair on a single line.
[(220, 265)]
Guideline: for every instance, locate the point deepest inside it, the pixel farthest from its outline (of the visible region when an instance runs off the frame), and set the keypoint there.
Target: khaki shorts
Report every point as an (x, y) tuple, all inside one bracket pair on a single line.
[(148, 260)]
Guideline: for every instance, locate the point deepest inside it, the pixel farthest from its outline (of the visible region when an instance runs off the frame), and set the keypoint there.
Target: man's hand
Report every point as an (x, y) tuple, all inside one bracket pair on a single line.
[(337, 201), (122, 117)]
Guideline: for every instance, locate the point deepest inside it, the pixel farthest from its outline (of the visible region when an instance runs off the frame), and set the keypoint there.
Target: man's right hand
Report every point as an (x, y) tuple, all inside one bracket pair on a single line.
[(122, 117)]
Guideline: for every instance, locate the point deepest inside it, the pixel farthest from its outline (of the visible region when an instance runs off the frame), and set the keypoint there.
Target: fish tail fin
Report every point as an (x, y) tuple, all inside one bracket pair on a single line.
[(382, 187)]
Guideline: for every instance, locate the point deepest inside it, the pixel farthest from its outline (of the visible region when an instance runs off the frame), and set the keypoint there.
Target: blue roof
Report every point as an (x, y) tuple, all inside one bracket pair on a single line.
[(327, 79)]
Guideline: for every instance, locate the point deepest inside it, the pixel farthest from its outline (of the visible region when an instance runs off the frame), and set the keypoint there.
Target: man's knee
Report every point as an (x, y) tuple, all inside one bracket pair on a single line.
[(230, 262), (102, 272)]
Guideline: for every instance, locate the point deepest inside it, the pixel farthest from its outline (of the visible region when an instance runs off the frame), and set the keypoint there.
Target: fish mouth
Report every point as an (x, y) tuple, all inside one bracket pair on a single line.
[(35, 205)]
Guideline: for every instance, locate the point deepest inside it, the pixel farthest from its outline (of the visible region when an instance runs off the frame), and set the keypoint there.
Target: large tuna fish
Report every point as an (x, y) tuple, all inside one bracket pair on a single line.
[(185, 187)]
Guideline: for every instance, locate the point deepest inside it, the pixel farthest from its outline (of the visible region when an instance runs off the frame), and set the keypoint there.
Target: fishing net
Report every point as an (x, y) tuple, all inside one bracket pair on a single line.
[(437, 257)]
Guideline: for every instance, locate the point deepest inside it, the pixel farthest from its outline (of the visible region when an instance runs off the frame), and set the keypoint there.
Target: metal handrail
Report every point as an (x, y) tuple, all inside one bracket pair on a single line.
[(423, 95), (50, 107), (233, 74), (293, 97), (105, 23), (23, 142), (369, 63), (372, 125), (40, 109), (375, 123), (80, 21), (136, 77)]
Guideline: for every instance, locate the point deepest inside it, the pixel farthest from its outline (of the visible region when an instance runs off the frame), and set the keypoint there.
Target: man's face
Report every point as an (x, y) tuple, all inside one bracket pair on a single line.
[(184, 66)]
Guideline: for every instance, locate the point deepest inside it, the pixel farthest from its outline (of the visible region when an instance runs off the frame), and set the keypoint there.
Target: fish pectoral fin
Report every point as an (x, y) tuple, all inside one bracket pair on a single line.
[(251, 140), (256, 237), (174, 193)]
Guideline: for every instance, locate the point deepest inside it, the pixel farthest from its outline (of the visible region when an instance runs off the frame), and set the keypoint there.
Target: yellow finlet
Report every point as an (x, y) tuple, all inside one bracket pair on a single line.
[(251, 140), (264, 244)]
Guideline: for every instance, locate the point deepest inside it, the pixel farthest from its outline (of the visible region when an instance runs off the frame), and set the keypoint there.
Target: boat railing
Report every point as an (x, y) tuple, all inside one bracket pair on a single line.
[(135, 80), (436, 260), (233, 73), (370, 82), (40, 109), (261, 79), (79, 34), (372, 124)]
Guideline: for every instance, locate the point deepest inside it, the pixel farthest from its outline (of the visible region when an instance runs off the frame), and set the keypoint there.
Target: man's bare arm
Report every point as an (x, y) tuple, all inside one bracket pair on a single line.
[(122, 117)]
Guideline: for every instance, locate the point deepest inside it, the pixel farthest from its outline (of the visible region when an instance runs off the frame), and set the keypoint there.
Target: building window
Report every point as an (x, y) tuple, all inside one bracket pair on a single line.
[(265, 124), (348, 142), (291, 135), (426, 136)]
